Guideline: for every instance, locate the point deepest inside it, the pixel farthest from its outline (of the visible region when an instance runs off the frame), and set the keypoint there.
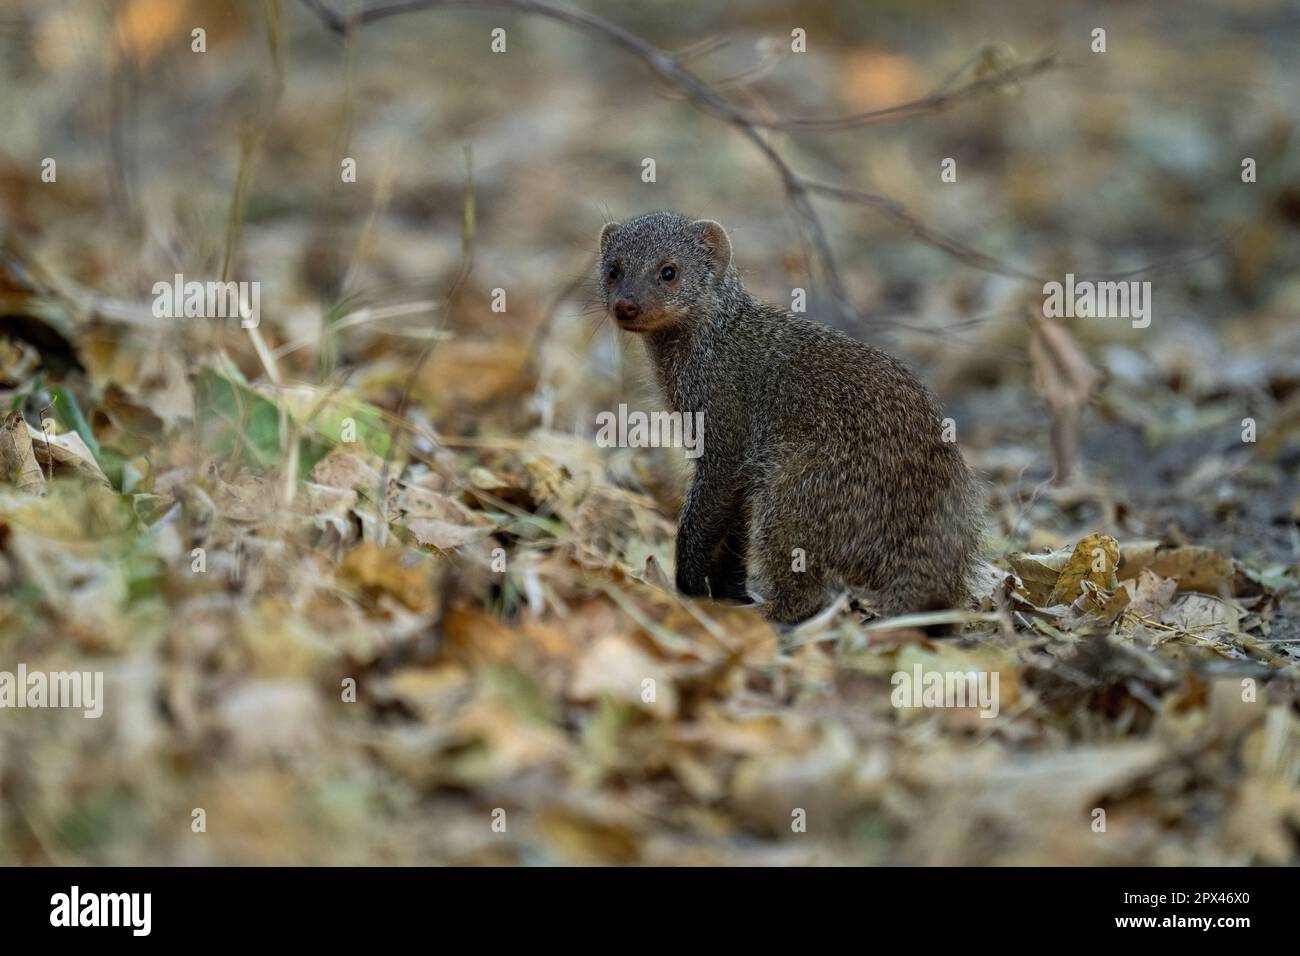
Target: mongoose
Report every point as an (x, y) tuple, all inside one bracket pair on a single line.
[(823, 462)]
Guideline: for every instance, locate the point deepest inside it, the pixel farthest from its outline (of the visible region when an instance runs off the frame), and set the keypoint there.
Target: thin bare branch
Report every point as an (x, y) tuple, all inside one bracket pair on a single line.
[(926, 105), (896, 212), (668, 68), (799, 189)]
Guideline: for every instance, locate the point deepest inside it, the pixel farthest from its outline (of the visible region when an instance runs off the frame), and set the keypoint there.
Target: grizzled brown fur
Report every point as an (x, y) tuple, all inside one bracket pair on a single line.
[(812, 440)]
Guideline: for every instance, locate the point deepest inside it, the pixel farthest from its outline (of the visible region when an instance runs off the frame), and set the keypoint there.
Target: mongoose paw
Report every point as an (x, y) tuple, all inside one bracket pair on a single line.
[(727, 589), (692, 585), (731, 591)]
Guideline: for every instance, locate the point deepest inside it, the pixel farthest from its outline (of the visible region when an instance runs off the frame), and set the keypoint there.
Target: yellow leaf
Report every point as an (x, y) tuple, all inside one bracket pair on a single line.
[(377, 569), (1095, 559)]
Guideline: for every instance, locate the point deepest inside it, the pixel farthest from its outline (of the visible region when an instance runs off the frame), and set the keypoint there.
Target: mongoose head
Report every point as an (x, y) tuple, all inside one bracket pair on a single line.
[(661, 269)]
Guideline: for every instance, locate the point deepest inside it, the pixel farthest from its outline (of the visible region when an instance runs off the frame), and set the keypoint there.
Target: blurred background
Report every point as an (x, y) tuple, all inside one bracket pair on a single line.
[(364, 589)]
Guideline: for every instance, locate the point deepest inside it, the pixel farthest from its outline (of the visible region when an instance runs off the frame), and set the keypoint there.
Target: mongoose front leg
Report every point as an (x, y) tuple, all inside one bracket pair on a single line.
[(729, 576), (706, 520)]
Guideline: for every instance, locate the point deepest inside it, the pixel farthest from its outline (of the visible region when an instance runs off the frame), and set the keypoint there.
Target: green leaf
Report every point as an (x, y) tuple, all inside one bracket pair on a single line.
[(234, 417), (66, 405)]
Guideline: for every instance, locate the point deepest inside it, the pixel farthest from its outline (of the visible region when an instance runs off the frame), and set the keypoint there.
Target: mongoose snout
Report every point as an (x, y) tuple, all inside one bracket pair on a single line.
[(824, 462)]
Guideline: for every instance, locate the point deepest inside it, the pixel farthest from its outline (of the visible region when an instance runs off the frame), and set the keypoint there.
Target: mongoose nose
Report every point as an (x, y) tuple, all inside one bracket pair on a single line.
[(626, 309)]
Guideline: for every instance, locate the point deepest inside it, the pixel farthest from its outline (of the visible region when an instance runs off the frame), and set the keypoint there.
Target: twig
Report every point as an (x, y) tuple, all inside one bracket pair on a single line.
[(662, 63), (45, 434), (466, 265), (895, 211), (926, 105), (798, 189)]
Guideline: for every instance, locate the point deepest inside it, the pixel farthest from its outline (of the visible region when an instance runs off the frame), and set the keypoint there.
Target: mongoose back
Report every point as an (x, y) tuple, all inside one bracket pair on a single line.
[(823, 460)]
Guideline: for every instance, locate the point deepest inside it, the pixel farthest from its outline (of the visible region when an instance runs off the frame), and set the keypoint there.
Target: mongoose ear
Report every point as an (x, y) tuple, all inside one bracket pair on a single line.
[(716, 240), (607, 233)]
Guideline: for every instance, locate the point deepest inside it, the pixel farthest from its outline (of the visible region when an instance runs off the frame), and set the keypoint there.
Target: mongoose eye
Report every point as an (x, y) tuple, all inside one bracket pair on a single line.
[(668, 273), (614, 273)]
